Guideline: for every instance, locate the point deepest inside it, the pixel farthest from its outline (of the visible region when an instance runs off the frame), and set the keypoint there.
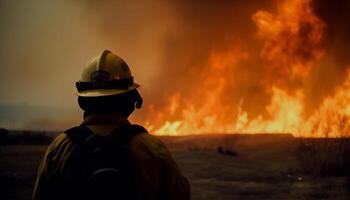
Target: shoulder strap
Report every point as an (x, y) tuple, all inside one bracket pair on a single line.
[(128, 131), (78, 133), (135, 128)]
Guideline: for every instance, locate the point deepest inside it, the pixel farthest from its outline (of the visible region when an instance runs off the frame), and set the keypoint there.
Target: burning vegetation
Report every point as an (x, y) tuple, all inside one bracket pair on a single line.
[(236, 66), (291, 46)]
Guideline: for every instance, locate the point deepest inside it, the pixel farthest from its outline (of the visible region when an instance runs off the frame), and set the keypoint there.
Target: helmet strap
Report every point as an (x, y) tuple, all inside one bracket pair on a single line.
[(139, 100)]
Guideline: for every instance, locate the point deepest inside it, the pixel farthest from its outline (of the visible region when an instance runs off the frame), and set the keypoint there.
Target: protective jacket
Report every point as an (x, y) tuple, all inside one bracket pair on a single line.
[(156, 174)]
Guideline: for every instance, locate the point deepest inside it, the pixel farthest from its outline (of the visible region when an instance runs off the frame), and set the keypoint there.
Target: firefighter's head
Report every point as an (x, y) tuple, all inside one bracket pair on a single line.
[(107, 86)]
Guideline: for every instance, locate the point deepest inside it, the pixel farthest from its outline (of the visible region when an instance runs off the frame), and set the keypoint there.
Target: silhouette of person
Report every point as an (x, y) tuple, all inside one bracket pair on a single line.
[(107, 155)]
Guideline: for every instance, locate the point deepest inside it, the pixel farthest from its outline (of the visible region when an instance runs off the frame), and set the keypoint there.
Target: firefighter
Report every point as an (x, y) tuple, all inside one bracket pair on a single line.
[(108, 94)]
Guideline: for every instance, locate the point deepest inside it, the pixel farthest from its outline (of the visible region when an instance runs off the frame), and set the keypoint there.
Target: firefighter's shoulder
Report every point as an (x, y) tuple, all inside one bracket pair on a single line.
[(59, 147), (59, 141), (147, 145)]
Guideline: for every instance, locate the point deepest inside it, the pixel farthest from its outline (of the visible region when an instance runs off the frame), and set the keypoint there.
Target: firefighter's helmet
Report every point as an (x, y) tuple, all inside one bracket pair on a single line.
[(105, 75)]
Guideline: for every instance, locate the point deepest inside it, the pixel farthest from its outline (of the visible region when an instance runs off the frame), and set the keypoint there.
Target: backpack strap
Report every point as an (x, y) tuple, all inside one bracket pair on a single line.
[(139, 129), (81, 133), (126, 132), (78, 133), (83, 138)]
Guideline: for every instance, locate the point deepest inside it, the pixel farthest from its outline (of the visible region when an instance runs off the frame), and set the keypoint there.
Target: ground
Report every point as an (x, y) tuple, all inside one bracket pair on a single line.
[(261, 167)]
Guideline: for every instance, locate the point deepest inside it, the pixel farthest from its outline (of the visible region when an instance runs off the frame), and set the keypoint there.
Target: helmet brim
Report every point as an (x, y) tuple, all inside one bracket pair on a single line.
[(105, 92)]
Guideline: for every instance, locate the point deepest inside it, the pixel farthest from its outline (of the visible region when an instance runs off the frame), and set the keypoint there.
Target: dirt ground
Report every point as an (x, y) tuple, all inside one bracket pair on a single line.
[(265, 167)]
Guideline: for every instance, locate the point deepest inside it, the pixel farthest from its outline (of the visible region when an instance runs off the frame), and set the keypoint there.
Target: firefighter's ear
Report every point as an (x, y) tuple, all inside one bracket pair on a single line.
[(139, 100)]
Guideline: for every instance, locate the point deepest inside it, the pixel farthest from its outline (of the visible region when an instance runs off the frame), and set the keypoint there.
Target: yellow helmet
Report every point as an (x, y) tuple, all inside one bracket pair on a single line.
[(105, 75)]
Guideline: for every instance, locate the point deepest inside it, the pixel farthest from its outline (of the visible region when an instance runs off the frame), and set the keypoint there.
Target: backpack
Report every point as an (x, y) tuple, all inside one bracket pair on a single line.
[(101, 165)]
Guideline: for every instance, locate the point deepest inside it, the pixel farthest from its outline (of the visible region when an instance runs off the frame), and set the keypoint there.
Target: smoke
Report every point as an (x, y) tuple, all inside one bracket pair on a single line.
[(332, 69), (179, 36), (177, 47), (196, 60)]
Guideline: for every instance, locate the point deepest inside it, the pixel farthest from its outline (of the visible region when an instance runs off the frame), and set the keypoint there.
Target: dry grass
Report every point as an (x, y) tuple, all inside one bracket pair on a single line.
[(327, 156), (227, 151), (264, 169)]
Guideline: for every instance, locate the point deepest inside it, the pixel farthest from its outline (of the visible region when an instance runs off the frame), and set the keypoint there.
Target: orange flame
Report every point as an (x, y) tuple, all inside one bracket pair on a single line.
[(291, 38)]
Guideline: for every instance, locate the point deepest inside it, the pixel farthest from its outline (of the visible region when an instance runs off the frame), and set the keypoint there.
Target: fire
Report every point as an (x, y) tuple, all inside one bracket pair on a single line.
[(203, 111), (332, 117), (285, 113), (291, 39)]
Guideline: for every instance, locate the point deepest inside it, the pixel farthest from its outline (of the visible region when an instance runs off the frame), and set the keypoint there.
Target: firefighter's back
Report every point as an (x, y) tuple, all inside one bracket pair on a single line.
[(153, 171)]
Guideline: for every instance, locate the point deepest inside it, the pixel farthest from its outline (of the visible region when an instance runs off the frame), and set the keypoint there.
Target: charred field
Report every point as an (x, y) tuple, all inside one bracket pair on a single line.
[(238, 166)]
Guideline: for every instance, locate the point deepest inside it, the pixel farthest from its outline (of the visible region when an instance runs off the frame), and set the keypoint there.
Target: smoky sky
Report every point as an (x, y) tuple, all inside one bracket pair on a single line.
[(45, 44), (331, 70), (181, 35)]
